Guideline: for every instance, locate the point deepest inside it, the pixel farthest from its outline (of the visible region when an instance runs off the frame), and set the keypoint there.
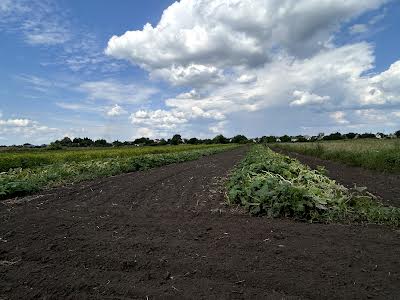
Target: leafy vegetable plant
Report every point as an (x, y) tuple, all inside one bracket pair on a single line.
[(272, 184)]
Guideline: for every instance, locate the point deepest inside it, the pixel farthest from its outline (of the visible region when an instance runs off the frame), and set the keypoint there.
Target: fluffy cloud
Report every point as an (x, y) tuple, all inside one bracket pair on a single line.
[(15, 122), (252, 57), (234, 33), (247, 78), (25, 129), (116, 110), (159, 119), (305, 98), (330, 80), (195, 75)]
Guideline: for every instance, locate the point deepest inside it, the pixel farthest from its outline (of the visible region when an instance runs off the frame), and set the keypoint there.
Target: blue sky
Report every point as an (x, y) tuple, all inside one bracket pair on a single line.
[(199, 68)]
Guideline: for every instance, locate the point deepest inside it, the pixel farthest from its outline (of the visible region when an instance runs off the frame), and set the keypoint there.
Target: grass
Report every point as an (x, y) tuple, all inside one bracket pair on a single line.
[(23, 181), (268, 183), (381, 155), (39, 157)]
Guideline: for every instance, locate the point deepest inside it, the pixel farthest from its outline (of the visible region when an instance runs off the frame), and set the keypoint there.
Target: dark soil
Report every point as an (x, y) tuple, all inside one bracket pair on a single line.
[(165, 233), (386, 186)]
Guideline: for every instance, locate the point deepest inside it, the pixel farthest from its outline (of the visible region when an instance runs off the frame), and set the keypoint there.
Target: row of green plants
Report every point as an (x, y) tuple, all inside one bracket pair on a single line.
[(380, 155), (32, 159), (19, 181), (268, 183)]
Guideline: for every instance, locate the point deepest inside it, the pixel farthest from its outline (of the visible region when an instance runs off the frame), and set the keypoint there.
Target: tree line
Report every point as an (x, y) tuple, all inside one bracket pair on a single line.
[(177, 139)]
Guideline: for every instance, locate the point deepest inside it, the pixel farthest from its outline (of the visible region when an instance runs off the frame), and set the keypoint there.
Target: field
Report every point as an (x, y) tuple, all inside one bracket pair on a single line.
[(374, 154), (26, 172), (169, 232), (32, 158)]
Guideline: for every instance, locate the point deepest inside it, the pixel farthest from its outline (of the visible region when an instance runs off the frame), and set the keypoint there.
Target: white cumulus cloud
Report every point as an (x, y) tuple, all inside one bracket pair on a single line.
[(116, 110), (245, 58), (305, 98)]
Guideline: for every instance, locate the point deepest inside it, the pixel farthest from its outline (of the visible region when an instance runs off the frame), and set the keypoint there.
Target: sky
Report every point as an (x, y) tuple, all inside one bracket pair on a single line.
[(125, 69)]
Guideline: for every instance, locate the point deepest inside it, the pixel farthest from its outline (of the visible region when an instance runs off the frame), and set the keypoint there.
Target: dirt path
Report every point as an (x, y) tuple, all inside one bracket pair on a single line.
[(165, 234), (386, 186)]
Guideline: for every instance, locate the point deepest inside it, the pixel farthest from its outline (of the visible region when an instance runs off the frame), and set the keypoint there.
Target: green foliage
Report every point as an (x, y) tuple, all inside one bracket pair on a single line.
[(176, 139), (220, 139), (278, 186), (285, 138), (239, 139), (22, 181), (381, 155)]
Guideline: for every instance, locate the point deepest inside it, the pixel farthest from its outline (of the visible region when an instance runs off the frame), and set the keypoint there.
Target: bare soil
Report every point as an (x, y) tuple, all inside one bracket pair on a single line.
[(166, 233)]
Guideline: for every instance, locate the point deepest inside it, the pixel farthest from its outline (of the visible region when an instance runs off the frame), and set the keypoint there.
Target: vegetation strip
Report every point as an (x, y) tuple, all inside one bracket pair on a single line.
[(19, 181), (272, 184), (381, 155), (36, 158)]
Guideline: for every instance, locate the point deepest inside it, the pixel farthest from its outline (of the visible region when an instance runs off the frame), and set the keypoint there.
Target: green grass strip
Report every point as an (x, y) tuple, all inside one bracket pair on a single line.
[(268, 183), (380, 155)]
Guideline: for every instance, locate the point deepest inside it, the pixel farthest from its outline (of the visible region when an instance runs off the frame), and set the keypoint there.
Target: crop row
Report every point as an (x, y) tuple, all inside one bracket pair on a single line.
[(272, 184), (20, 181), (37, 158)]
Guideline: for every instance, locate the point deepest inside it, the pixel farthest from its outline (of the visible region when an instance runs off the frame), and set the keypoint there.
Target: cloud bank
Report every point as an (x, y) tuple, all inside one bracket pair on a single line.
[(248, 58)]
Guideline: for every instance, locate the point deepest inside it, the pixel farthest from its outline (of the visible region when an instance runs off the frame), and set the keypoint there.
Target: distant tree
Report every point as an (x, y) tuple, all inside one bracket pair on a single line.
[(101, 143), (220, 139), (193, 141), (66, 142), (285, 138), (54, 146), (117, 143), (397, 133), (270, 139), (350, 135), (301, 139), (77, 142), (176, 139), (144, 141), (333, 137), (86, 142), (367, 136), (239, 139), (127, 143)]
